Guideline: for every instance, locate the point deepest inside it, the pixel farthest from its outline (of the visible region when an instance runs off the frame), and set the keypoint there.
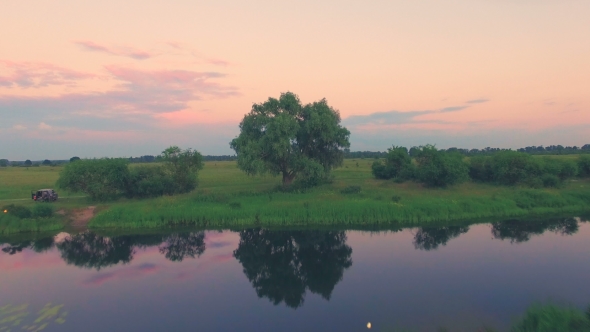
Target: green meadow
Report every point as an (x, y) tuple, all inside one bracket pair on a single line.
[(226, 197)]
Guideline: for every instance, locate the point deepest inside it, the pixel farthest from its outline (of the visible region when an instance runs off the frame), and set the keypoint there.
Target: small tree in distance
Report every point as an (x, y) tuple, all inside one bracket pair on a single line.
[(283, 137), (183, 166), (28, 162), (74, 159)]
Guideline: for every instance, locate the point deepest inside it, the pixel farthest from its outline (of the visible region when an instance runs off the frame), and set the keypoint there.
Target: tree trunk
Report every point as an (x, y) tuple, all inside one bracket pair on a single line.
[(288, 179)]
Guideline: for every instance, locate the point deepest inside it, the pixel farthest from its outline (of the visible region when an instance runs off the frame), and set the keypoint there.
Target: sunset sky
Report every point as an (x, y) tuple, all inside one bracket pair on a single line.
[(129, 78)]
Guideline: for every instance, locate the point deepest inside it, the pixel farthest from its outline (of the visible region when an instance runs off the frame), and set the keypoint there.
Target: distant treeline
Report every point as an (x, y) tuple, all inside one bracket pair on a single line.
[(537, 150), (142, 159)]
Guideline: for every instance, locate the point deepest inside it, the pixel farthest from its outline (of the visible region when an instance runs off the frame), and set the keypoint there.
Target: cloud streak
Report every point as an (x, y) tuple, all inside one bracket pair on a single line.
[(137, 96), (477, 101), (124, 51), (14, 74), (396, 117)]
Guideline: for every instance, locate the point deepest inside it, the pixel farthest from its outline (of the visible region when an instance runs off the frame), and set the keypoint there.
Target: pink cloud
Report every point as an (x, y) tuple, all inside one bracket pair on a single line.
[(37, 75), (124, 51), (146, 92)]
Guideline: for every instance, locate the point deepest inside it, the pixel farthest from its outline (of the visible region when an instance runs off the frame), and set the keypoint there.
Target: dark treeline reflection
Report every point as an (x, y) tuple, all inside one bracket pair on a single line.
[(90, 250), (282, 265), (518, 231), (429, 238)]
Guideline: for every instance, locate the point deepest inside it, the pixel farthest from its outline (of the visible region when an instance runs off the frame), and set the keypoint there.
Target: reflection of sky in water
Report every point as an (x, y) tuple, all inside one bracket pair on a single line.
[(469, 280)]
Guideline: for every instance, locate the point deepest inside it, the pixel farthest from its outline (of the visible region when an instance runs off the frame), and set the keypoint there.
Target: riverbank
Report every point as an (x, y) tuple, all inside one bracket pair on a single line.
[(388, 203), (227, 198)]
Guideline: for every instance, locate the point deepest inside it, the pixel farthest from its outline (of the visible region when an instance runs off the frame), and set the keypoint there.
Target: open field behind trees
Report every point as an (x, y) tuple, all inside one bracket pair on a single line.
[(226, 197)]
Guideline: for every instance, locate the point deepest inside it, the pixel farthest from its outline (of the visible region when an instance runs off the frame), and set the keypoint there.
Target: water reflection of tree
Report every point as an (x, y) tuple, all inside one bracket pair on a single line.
[(429, 238), (90, 250), (518, 231), (281, 265), (177, 247), (38, 246)]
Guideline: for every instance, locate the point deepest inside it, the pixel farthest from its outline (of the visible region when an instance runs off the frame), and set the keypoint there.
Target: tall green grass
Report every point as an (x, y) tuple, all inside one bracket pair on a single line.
[(550, 318), (333, 206), (10, 224)]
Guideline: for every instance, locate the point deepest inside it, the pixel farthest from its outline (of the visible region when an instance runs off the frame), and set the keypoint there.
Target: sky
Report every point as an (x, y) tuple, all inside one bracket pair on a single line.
[(129, 78)]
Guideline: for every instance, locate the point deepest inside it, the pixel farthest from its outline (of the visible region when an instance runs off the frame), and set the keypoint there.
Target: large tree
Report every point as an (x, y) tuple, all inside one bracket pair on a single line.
[(283, 137)]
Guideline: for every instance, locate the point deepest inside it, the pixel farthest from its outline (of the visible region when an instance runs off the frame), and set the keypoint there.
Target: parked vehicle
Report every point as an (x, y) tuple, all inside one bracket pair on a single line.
[(44, 195)]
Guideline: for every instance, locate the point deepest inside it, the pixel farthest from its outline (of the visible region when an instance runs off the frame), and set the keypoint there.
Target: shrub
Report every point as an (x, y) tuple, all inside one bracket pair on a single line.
[(149, 181), (584, 165), (235, 205), (438, 168), (564, 169), (511, 167), (351, 190), (550, 180), (396, 198), (480, 169), (43, 211), (398, 165), (101, 179), (18, 211)]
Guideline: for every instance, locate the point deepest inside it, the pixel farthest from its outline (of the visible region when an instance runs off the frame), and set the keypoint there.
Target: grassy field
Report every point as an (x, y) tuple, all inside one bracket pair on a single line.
[(226, 197)]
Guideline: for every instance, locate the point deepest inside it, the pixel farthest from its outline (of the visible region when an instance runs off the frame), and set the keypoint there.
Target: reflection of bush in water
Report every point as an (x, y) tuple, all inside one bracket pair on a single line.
[(429, 238), (90, 250), (177, 247), (38, 246), (19, 317), (281, 265), (521, 231)]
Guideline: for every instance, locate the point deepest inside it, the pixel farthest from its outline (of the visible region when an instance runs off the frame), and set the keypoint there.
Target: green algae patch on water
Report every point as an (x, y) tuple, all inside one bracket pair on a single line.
[(21, 318)]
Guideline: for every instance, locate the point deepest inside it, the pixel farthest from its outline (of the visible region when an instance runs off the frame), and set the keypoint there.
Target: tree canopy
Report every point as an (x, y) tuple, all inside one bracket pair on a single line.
[(283, 137)]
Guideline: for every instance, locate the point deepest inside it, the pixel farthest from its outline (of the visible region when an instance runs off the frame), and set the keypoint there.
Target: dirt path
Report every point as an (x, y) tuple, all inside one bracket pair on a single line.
[(80, 217)]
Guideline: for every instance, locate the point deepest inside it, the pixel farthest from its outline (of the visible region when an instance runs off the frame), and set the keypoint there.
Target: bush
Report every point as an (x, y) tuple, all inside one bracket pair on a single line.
[(101, 179), (437, 168), (235, 205), (511, 167), (584, 165), (398, 165), (351, 190), (550, 180), (149, 181), (564, 169), (18, 211), (43, 211), (480, 169)]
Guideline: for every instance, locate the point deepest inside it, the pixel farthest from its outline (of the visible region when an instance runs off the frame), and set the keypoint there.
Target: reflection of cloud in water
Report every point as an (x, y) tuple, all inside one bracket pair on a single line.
[(204, 265), (218, 244), (126, 273)]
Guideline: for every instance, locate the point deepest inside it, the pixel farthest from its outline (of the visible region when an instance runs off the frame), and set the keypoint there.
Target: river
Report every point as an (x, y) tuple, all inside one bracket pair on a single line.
[(461, 278)]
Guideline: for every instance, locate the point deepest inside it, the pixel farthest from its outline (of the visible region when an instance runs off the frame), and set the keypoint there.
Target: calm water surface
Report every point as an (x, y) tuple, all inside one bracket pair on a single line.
[(421, 279)]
